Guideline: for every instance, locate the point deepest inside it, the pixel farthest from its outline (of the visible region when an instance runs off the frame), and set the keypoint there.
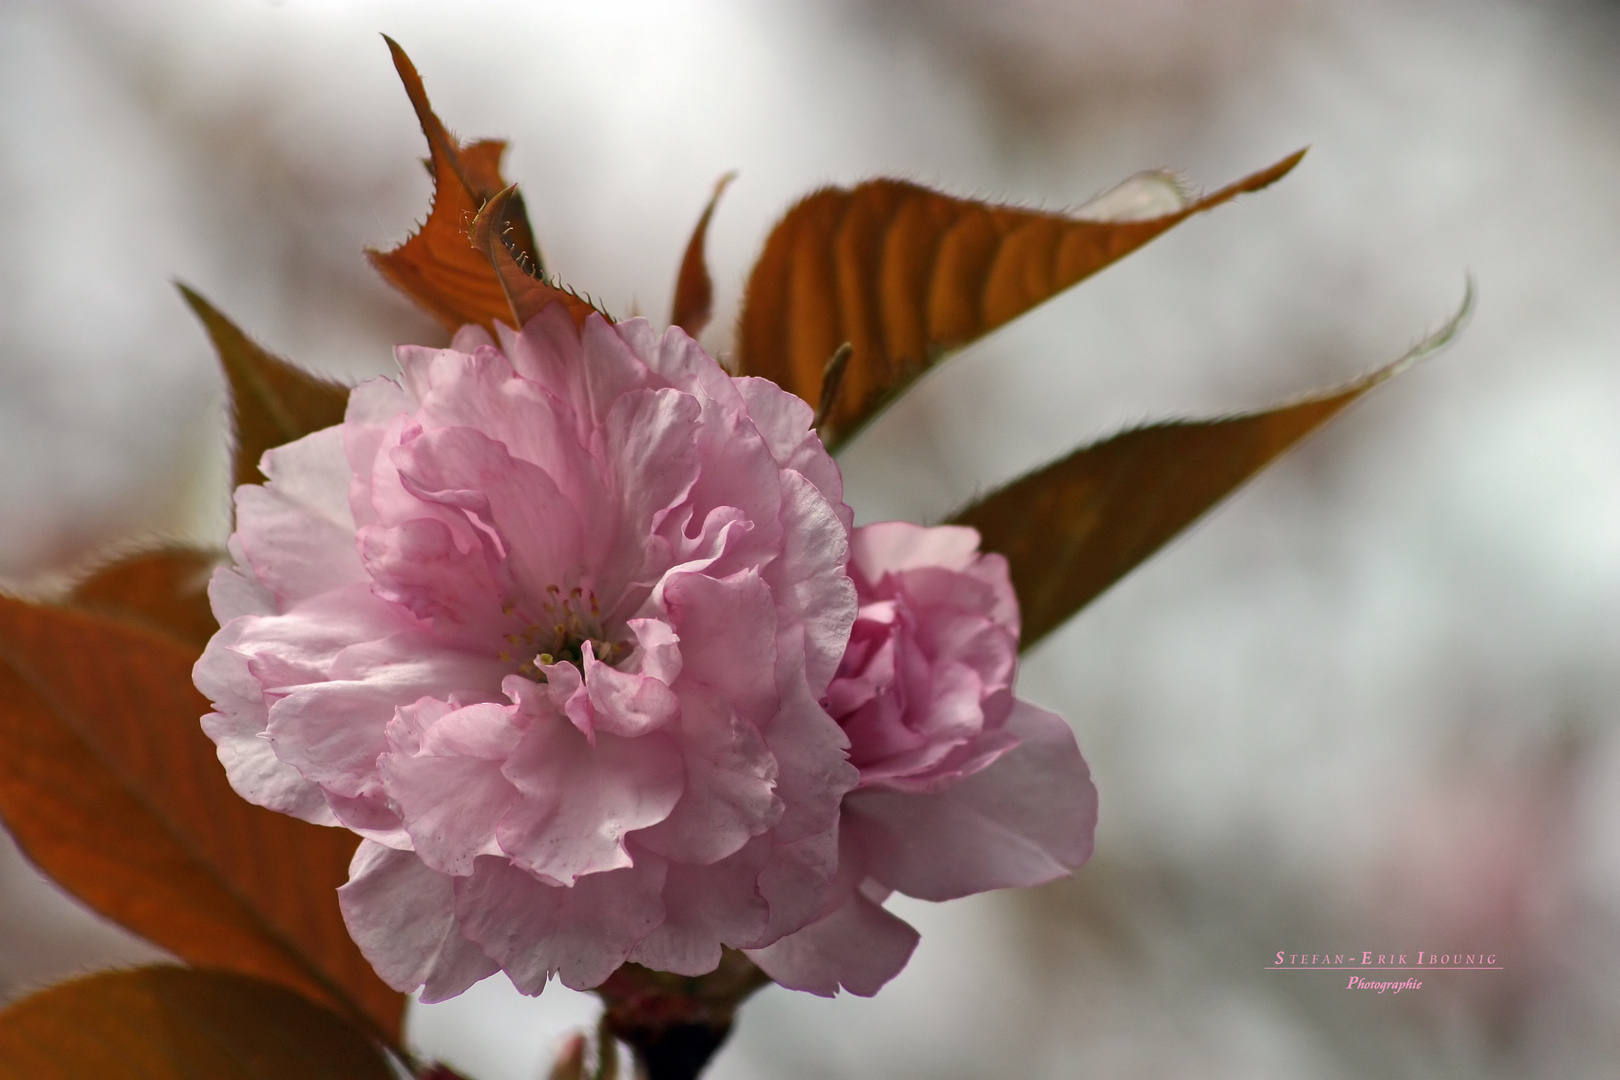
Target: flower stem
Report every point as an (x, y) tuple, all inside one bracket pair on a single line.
[(675, 1023)]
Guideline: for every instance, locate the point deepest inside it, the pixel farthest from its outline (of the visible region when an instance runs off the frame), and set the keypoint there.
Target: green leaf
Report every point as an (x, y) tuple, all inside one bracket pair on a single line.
[(173, 1023), (166, 588), (272, 401), (110, 787), (1071, 529)]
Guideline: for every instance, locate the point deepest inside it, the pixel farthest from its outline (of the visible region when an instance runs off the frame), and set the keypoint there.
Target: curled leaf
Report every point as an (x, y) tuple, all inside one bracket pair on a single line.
[(526, 294), (109, 785), (694, 290), (173, 1023), (272, 401), (1071, 529), (438, 267), (166, 588), (905, 274)]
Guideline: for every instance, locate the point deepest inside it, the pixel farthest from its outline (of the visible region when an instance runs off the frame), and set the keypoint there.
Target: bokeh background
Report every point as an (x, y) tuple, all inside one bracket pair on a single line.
[(1372, 703)]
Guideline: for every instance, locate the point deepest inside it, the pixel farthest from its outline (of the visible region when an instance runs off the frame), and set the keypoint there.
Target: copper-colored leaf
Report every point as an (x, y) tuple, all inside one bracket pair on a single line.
[(166, 588), (272, 401), (694, 290), (109, 785), (1071, 529), (173, 1023), (904, 274), (441, 267), (526, 294)]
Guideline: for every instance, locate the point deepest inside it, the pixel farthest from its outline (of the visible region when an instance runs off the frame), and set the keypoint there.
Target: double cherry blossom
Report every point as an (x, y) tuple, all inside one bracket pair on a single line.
[(573, 629)]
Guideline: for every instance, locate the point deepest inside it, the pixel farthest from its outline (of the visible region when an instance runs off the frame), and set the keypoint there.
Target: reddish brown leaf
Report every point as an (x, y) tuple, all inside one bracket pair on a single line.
[(166, 589), (694, 291), (109, 785), (904, 273), (440, 267), (526, 295), (1072, 528), (272, 401), (173, 1023)]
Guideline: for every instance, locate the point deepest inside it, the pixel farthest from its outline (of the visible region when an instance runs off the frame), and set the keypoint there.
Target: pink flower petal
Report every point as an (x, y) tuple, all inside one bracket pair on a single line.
[(581, 934), (442, 769), (857, 947), (729, 797), (704, 908), (539, 529), (626, 703), (727, 628), (237, 728), (402, 915), (888, 547), (578, 800), (1028, 819)]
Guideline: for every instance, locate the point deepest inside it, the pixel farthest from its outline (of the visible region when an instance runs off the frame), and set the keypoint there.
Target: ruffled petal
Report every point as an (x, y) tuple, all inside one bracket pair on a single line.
[(539, 529), (809, 580), (581, 934), (297, 535), (402, 915), (784, 420), (578, 800), (728, 629), (237, 728), (627, 703), (730, 793), (419, 566), (1027, 819), (704, 908), (442, 769), (332, 731), (857, 947), (888, 547)]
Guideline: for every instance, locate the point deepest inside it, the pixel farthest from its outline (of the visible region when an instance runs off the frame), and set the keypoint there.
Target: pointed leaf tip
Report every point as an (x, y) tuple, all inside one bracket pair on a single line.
[(906, 274), (693, 306), (273, 402), (442, 267), (1074, 527)]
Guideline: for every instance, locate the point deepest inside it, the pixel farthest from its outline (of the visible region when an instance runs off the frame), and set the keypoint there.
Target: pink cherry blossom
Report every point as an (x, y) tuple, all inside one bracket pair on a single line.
[(548, 625), (963, 787)]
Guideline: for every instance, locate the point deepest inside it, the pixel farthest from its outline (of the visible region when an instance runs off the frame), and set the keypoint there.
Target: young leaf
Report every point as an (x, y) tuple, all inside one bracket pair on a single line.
[(110, 786), (526, 295), (694, 290), (174, 1023), (166, 588), (1072, 528), (904, 274), (272, 401), (442, 267)]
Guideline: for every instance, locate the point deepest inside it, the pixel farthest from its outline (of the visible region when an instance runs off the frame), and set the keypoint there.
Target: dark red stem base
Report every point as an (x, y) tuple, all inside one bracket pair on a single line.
[(675, 1024)]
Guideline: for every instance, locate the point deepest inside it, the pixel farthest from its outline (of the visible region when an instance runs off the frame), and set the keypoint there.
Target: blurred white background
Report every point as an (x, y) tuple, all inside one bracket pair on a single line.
[(1373, 703)]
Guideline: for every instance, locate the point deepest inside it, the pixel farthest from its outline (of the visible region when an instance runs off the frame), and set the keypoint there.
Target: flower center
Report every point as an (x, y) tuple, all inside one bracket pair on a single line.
[(567, 621)]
